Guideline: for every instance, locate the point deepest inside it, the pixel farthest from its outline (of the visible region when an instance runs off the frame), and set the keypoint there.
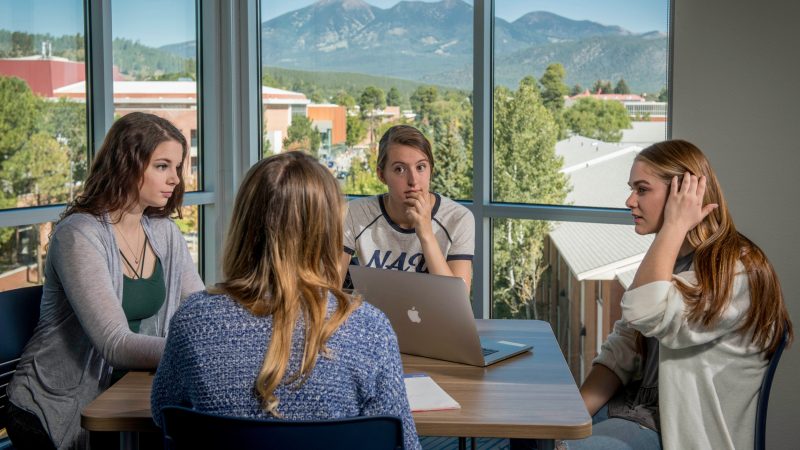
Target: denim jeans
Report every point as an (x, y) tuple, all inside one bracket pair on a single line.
[(617, 434), (607, 434)]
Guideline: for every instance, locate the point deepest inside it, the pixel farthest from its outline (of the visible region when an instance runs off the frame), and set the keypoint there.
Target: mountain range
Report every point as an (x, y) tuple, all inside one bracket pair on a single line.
[(432, 43)]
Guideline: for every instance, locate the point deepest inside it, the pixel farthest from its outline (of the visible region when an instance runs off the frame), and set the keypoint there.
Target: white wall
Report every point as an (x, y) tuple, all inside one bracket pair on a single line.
[(736, 94)]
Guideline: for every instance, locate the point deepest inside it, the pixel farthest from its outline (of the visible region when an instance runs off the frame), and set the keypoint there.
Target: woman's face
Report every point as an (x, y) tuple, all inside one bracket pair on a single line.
[(161, 175), (648, 197), (407, 170)]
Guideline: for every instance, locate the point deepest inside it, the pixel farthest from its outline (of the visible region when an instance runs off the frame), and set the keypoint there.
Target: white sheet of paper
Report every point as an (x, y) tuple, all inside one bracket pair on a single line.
[(425, 395)]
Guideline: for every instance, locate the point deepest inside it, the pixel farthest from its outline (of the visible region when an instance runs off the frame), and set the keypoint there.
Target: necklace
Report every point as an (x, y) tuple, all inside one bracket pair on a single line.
[(133, 252)]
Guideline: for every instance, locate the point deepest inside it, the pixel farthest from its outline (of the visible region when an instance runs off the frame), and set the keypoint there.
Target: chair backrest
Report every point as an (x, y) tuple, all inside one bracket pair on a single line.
[(763, 397), (185, 428), (19, 314)]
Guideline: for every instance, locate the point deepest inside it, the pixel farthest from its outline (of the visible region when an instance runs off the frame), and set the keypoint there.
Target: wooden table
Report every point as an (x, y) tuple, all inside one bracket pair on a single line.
[(530, 396)]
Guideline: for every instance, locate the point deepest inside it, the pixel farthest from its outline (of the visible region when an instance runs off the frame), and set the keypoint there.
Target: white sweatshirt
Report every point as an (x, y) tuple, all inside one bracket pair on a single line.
[(709, 378)]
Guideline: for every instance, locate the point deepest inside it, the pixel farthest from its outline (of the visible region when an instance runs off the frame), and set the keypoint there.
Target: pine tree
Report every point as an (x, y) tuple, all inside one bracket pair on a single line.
[(622, 87), (526, 170), (553, 87), (422, 101), (452, 175), (393, 97)]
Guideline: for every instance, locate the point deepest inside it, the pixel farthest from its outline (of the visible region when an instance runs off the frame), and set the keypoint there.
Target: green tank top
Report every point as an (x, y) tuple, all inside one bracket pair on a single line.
[(143, 297)]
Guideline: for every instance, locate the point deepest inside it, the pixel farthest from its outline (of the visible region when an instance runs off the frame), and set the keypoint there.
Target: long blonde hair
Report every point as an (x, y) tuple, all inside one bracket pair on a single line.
[(281, 259), (718, 247)]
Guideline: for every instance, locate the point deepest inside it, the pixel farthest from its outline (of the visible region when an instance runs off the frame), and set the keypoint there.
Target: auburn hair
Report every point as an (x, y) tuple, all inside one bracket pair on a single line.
[(118, 168), (718, 247), (281, 259)]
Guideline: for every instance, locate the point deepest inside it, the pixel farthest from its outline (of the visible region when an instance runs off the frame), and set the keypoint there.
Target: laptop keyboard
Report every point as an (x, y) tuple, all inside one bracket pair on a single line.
[(488, 351)]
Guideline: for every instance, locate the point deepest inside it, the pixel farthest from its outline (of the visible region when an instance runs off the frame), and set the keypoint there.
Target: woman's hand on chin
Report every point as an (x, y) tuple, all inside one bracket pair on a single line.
[(418, 211)]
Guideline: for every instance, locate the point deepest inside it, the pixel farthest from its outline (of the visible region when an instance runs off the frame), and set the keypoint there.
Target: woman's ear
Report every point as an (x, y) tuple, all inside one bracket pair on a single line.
[(380, 175)]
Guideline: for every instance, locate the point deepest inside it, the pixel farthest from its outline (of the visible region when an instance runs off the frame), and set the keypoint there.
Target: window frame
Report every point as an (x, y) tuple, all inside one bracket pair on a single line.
[(229, 132), (100, 116)]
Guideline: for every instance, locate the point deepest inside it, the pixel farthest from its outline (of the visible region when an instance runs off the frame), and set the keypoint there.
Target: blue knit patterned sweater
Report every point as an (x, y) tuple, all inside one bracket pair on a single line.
[(215, 348)]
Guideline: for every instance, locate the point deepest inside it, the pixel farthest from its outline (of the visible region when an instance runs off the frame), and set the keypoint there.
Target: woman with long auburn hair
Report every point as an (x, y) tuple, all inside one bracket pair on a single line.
[(278, 337), (684, 366), (116, 269)]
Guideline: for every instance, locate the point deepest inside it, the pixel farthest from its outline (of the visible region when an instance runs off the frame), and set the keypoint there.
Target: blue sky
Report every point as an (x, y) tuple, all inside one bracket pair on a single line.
[(634, 15), (160, 22)]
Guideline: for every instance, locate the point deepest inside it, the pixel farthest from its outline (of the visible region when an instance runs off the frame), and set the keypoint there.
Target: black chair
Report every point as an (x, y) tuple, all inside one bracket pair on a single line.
[(763, 397), (185, 428), (19, 314)]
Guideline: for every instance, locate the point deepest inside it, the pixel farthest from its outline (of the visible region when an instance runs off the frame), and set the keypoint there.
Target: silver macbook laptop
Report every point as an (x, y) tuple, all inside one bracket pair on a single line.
[(431, 315)]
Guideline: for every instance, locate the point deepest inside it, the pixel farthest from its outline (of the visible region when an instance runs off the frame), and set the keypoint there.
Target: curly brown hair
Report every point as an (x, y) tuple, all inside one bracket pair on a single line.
[(118, 168)]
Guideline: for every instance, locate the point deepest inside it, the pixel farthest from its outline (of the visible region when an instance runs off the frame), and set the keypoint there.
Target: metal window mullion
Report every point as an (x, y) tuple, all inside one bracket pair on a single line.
[(482, 155), (210, 129), (230, 91), (558, 213), (30, 216), (99, 72)]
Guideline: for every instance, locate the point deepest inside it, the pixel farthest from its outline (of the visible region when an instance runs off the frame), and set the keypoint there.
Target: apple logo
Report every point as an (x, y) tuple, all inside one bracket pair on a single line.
[(413, 315)]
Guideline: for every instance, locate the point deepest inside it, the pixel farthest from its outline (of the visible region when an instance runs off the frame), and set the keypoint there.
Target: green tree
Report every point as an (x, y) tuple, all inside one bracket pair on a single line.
[(598, 119), (266, 147), (393, 97), (40, 170), (663, 96), (422, 100), (342, 98), (526, 170), (602, 87), (20, 112), (302, 135), (363, 178), (267, 79), (371, 99), (356, 131), (22, 44), (66, 121), (622, 87), (452, 174), (553, 87), (577, 89)]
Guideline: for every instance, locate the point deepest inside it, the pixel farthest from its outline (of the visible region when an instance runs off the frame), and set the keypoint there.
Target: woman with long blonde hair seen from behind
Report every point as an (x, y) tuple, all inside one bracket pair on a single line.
[(278, 337), (684, 366)]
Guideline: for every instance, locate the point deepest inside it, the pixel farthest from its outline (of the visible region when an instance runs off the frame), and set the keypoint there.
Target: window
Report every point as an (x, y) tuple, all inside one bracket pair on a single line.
[(536, 110), (336, 75), (43, 133), (155, 67), (580, 88), (49, 127)]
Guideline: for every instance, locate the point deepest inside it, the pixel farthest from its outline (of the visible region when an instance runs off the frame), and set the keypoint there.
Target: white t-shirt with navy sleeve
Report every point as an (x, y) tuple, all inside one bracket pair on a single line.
[(377, 241)]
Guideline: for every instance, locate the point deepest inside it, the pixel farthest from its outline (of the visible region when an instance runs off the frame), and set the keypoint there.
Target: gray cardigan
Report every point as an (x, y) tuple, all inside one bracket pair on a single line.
[(82, 331)]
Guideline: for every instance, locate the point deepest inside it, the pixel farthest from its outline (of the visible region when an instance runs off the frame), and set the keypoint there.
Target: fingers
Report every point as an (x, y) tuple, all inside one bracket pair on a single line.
[(689, 185), (701, 186), (708, 209), (686, 182)]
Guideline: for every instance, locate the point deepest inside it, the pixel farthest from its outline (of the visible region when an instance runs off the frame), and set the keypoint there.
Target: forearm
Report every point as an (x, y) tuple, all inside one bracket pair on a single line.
[(599, 387), (659, 261), (434, 258)]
